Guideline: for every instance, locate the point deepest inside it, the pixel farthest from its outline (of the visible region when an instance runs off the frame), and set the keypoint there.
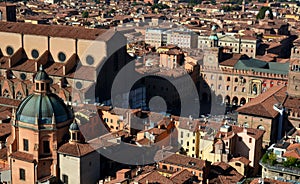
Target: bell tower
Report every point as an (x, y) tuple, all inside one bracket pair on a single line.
[(294, 78)]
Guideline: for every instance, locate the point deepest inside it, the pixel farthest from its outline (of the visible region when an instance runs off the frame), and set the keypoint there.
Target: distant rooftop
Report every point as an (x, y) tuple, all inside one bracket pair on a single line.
[(262, 66), (51, 30)]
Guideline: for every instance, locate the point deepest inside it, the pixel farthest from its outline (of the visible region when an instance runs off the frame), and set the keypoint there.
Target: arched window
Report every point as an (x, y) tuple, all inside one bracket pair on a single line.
[(235, 88), (260, 127), (220, 77), (6, 94), (228, 78), (243, 89), (236, 79), (19, 96), (254, 89)]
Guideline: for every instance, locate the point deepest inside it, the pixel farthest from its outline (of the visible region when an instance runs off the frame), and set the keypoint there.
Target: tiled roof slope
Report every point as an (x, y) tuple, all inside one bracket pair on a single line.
[(262, 105)]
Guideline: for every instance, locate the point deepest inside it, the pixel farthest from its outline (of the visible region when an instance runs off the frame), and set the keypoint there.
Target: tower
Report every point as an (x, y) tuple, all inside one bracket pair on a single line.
[(243, 6), (40, 127), (294, 78), (213, 37)]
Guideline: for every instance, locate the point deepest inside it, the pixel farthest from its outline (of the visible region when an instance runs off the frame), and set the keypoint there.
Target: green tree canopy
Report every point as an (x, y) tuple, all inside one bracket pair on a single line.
[(262, 12), (85, 14)]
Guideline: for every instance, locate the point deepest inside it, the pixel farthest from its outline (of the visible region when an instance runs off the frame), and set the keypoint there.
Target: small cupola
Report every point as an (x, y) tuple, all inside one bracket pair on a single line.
[(42, 81), (75, 134)]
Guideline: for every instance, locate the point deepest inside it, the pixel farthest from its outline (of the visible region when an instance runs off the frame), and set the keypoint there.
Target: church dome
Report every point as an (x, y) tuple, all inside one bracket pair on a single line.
[(43, 108)]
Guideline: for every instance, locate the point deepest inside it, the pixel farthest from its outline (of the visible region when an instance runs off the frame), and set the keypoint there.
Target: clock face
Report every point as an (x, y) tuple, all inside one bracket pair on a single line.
[(210, 60)]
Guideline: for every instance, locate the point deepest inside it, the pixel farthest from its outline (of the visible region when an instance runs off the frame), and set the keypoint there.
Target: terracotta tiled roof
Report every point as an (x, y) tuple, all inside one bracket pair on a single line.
[(241, 159), (268, 181), (181, 176), (253, 132), (293, 150), (185, 161), (154, 177), (75, 149), (9, 102), (223, 173), (22, 156), (5, 129), (262, 105), (3, 154), (52, 30)]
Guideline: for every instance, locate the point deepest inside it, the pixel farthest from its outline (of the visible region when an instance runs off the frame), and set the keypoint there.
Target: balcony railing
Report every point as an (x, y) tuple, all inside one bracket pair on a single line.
[(281, 168)]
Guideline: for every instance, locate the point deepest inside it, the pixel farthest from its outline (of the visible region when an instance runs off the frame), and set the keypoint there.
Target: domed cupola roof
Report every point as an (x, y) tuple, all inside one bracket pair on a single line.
[(41, 75), (43, 107), (74, 127)]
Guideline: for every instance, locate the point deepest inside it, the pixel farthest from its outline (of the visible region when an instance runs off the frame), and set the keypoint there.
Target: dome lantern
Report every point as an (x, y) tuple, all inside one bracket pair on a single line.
[(75, 135), (42, 81)]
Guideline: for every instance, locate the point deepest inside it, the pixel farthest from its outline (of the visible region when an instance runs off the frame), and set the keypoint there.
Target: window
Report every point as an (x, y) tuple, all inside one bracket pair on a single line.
[(181, 134), (9, 50), (250, 140), (46, 146), (78, 85), (240, 139), (65, 179), (25, 144), (187, 143), (42, 87), (238, 164), (228, 78), (61, 56), (22, 174), (89, 60), (35, 54), (236, 79), (200, 175)]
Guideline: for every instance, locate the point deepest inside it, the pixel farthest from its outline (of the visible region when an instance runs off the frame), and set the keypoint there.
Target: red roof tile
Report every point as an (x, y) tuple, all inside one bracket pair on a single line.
[(76, 149)]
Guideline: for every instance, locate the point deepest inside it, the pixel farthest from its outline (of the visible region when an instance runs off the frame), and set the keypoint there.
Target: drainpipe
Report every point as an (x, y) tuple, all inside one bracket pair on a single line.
[(35, 172)]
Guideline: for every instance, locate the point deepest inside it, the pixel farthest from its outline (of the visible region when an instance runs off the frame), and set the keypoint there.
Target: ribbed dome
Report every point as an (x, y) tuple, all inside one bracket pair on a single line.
[(44, 107), (74, 126), (41, 75)]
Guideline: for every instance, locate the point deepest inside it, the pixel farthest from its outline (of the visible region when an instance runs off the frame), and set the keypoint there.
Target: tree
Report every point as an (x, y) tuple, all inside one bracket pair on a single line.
[(265, 158), (213, 2), (85, 14), (262, 12), (290, 161), (272, 158)]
